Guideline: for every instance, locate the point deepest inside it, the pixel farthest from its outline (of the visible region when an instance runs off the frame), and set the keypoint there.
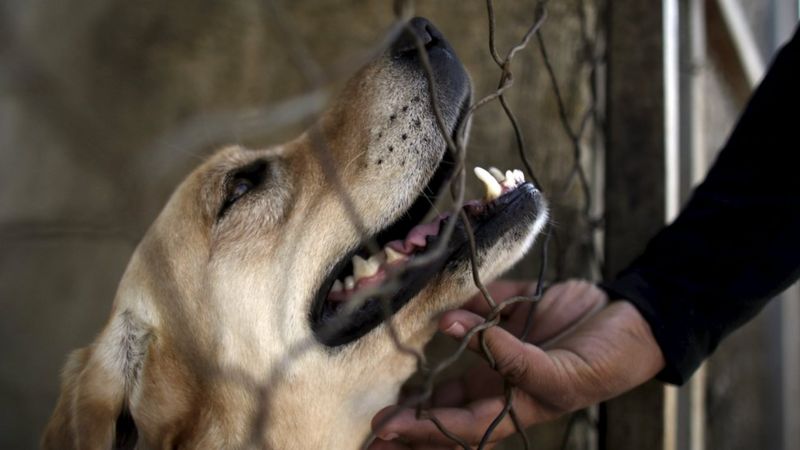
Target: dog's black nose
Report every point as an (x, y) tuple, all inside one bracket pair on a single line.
[(421, 28)]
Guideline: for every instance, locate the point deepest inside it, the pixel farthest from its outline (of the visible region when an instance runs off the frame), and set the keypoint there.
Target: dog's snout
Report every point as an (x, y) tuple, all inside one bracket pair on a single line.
[(418, 28)]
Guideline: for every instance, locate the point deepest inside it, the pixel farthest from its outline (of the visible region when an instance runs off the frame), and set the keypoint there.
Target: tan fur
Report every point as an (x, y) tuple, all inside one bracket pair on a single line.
[(209, 343)]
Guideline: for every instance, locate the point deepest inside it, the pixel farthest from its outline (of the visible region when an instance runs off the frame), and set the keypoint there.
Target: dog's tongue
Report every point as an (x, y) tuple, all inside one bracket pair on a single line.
[(416, 238), (418, 234)]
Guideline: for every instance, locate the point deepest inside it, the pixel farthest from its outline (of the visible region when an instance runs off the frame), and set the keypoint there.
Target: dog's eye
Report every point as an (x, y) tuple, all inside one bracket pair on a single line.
[(241, 182), (240, 188)]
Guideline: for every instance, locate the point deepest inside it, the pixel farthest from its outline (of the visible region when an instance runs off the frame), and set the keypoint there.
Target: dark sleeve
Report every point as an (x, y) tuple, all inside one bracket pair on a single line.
[(737, 242)]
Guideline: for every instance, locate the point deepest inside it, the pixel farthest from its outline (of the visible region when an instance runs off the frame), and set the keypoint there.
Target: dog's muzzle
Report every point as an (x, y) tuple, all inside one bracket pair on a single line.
[(452, 81)]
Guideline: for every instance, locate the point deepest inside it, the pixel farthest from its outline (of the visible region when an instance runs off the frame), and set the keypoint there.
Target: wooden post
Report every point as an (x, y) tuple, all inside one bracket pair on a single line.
[(641, 153)]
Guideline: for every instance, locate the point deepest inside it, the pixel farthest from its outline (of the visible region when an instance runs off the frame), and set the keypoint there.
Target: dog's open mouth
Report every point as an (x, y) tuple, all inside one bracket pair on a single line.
[(363, 289)]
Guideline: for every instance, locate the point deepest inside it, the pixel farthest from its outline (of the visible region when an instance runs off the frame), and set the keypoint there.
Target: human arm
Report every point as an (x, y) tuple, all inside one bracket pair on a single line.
[(737, 242)]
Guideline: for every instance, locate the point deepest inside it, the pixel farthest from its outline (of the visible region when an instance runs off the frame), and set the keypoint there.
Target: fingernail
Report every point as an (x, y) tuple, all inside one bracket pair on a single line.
[(455, 330), (389, 437)]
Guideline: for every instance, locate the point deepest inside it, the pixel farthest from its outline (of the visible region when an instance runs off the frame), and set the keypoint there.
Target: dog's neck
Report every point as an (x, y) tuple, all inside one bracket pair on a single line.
[(315, 404)]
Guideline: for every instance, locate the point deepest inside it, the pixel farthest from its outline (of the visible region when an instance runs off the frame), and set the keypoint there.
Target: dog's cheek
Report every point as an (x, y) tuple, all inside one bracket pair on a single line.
[(403, 132)]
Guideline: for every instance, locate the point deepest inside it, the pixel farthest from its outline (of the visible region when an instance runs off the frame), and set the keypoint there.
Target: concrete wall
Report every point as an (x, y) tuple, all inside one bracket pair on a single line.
[(87, 89)]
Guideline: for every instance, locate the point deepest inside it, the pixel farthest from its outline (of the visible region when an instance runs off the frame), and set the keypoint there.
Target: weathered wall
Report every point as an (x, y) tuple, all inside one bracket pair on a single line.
[(86, 89)]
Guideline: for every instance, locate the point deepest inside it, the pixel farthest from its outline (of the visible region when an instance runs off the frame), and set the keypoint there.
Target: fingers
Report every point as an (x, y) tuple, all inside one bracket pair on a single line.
[(469, 424), (611, 352), (515, 360), (451, 393), (394, 445), (477, 383), (563, 307), (380, 444)]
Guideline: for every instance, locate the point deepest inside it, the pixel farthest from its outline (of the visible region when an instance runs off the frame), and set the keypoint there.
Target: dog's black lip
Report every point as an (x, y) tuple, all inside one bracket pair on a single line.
[(334, 331), (334, 335), (397, 230)]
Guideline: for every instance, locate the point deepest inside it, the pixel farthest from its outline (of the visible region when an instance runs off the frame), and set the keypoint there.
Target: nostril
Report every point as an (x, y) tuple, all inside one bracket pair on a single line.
[(430, 32), (431, 40), (423, 29), (418, 28)]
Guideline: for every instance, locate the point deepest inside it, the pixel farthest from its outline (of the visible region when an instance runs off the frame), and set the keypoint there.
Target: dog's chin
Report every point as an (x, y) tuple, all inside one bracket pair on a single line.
[(362, 290)]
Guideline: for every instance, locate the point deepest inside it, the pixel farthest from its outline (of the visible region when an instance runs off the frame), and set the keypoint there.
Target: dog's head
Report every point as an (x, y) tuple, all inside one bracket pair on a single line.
[(253, 311)]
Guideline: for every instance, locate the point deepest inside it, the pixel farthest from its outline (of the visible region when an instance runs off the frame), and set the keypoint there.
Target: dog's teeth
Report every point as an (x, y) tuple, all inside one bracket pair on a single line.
[(498, 175), (364, 268), (349, 283), (509, 182), (519, 176), (392, 255), (337, 286), (493, 189), (376, 259)]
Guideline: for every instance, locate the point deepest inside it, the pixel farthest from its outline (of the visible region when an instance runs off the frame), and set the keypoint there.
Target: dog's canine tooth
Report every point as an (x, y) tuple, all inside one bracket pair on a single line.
[(337, 286), (493, 189), (519, 176), (349, 283), (364, 268), (498, 174), (392, 255)]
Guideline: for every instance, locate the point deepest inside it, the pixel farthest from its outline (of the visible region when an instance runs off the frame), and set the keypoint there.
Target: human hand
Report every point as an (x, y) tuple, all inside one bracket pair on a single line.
[(581, 350)]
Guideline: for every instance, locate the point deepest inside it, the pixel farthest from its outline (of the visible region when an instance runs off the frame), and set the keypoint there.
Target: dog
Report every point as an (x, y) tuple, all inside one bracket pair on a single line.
[(253, 312)]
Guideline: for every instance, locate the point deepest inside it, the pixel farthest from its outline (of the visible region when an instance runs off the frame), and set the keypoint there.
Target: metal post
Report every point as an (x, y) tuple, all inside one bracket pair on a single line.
[(741, 36), (786, 321), (693, 166), (790, 377)]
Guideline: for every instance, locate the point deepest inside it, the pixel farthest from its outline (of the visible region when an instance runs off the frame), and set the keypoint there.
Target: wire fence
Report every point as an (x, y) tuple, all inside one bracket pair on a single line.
[(585, 138), (578, 175)]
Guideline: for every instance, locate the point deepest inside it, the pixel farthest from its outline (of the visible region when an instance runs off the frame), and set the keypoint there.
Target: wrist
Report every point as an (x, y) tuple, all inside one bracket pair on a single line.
[(646, 355)]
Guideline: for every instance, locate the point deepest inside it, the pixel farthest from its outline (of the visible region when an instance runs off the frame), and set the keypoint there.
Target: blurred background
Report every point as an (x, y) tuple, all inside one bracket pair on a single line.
[(106, 104)]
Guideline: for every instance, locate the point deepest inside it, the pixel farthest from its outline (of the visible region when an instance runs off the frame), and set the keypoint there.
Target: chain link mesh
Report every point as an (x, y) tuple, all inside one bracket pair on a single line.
[(585, 138), (586, 143)]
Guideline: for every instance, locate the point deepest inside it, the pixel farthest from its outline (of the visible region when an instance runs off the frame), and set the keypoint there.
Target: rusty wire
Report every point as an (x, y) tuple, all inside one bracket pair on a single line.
[(306, 108), (403, 11), (216, 128), (506, 79)]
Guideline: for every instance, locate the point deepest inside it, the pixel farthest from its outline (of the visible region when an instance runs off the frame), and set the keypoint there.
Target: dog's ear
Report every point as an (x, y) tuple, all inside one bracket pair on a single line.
[(86, 412), (91, 412)]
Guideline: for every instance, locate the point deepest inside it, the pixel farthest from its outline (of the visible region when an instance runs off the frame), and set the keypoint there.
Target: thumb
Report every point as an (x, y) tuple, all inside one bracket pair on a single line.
[(515, 360)]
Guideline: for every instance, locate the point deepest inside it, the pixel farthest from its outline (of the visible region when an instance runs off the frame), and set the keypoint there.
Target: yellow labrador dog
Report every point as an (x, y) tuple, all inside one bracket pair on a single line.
[(244, 318)]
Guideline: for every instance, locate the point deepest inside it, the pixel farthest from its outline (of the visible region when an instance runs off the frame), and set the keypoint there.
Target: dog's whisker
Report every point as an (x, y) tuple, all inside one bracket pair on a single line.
[(353, 160)]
